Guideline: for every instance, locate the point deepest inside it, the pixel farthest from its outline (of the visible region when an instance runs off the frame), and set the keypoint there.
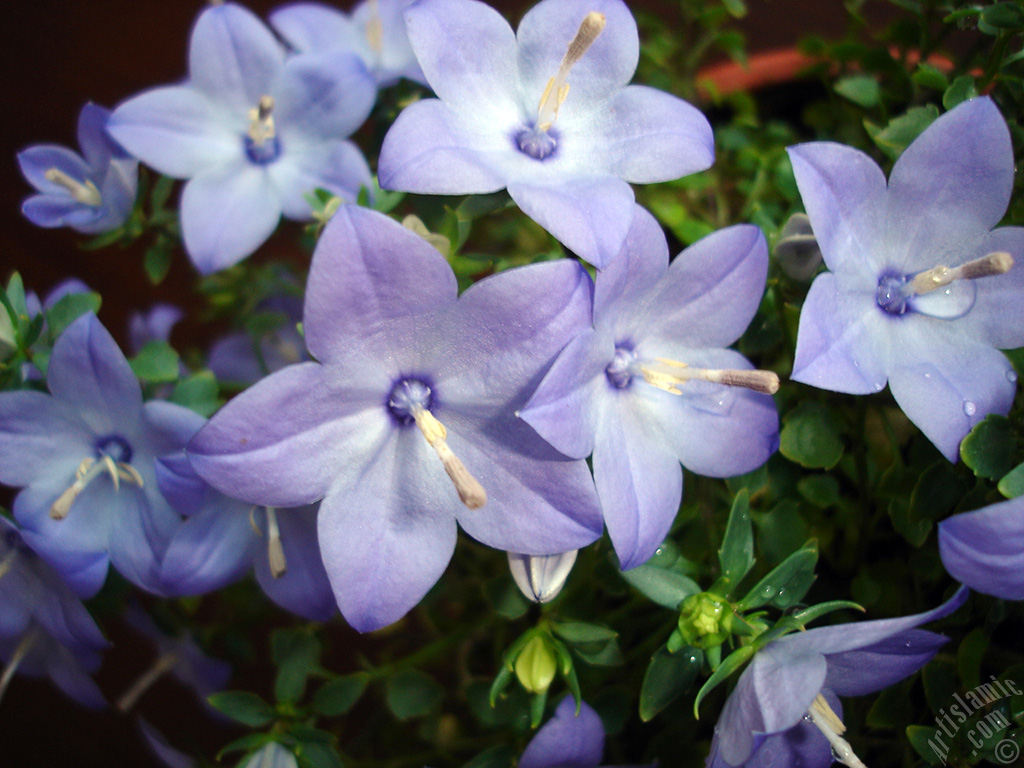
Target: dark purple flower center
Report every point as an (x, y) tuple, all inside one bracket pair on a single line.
[(408, 395), (893, 293), (114, 446), (535, 143), (263, 152), (619, 371)]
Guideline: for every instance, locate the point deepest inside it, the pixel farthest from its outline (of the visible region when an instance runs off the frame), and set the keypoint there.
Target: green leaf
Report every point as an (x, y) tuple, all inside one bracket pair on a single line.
[(156, 363), (810, 437), (248, 743), (157, 261), (412, 693), (787, 583), (736, 556), (668, 676), (664, 587), (936, 493), (1012, 483), (736, 8), (68, 309), (197, 392), (317, 754), (581, 633), (928, 76), (730, 664), (860, 89), (815, 612), (821, 490), (780, 531), (505, 597), (902, 130), (338, 696), (960, 90), (1008, 15), (500, 756), (244, 707), (969, 657), (988, 449), (922, 740), (296, 654)]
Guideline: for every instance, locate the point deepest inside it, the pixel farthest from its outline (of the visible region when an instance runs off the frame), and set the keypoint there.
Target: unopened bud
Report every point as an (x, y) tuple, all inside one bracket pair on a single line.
[(541, 577)]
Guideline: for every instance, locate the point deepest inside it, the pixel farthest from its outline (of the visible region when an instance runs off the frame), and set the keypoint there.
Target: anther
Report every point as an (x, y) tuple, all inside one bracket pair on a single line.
[(83, 192), (88, 471), (275, 550), (20, 652), (671, 374), (374, 29), (471, 493), (557, 88), (997, 263), (161, 666), (261, 121), (828, 722), (8, 562)]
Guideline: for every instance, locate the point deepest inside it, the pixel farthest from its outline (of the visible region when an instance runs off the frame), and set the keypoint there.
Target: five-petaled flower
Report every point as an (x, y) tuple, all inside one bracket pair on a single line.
[(252, 130), (545, 112), (921, 291), (785, 708), (90, 194), (412, 383), (652, 384)]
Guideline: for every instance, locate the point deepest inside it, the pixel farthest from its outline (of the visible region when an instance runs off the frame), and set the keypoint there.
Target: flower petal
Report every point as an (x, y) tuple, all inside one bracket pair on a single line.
[(544, 35), (323, 96), (633, 272), (468, 54), (997, 317), (37, 432), (177, 130), (951, 185), (227, 213), (386, 530), (568, 739), (838, 345), (211, 549), (305, 588), (844, 194), (591, 217), (36, 160), (337, 166), (280, 442), (651, 136), (984, 549), (233, 56), (865, 670), (639, 481), (312, 27), (368, 272), (950, 384)]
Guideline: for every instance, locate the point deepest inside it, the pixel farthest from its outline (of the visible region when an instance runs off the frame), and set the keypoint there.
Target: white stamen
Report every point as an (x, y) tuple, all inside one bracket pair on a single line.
[(275, 551), (557, 88), (83, 192), (828, 722), (374, 29), (765, 382), (88, 471), (161, 666), (8, 562), (261, 121), (471, 493), (20, 652), (997, 263)]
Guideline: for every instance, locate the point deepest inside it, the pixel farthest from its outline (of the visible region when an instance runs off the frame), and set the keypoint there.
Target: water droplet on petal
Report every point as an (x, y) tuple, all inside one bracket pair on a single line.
[(948, 303), (1011, 376), (970, 408)]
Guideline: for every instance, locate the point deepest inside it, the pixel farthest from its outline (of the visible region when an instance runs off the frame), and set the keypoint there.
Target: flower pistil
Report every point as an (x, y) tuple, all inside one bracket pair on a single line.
[(828, 722), (557, 88), (88, 471), (85, 192)]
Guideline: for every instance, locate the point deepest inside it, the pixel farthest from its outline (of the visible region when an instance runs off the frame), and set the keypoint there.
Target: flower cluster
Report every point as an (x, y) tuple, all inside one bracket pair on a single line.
[(408, 387)]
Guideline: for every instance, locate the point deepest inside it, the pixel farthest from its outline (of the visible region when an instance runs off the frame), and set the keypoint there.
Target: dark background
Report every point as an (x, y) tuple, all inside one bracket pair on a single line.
[(57, 55)]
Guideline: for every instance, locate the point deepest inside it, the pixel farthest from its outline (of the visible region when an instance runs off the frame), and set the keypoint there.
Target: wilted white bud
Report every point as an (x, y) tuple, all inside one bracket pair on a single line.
[(541, 577)]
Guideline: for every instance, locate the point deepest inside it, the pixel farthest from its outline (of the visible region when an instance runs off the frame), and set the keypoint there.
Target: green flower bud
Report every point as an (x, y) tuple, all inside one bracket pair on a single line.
[(705, 620), (536, 665)]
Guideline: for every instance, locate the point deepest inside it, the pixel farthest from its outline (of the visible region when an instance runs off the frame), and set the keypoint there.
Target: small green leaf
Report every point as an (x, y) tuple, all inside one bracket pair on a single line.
[(157, 261), (412, 693), (807, 615), (296, 653), (581, 633), (736, 8), (926, 742), (902, 130), (505, 597), (668, 676), (1007, 15), (736, 555), (247, 708), (810, 437), (960, 90), (1012, 483), (928, 76), (248, 743), (68, 309), (338, 696), (317, 754), (197, 392), (860, 89), (787, 583), (730, 664), (664, 587), (820, 489), (156, 363), (988, 449), (969, 657), (500, 756)]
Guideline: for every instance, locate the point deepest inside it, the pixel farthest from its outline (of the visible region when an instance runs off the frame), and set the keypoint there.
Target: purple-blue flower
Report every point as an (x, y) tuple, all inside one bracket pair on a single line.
[(239, 358), (44, 629), (545, 112), (785, 709), (652, 383), (567, 740), (84, 458), (374, 31), (252, 130), (223, 539), (406, 423), (921, 291), (984, 549), (154, 325), (91, 193)]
